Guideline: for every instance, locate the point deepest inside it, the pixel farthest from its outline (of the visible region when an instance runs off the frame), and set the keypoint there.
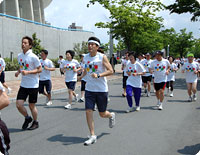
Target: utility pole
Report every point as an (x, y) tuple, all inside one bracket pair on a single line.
[(111, 43)]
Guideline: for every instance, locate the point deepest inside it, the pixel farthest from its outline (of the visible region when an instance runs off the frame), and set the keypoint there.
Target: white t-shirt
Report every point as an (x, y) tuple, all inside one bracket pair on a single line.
[(189, 69), (160, 68), (45, 74), (29, 61), (146, 63), (95, 65), (82, 64), (70, 75), (1, 87), (2, 64), (134, 81), (171, 75), (124, 63), (60, 62)]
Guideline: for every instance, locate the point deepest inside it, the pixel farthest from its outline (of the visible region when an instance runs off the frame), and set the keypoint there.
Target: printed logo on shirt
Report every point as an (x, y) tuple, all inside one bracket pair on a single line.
[(159, 68), (23, 65), (146, 65), (69, 67), (132, 70), (42, 65), (190, 69), (91, 67)]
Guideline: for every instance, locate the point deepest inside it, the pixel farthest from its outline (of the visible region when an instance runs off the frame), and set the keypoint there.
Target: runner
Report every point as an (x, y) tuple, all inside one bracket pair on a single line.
[(30, 68), (146, 78), (2, 74), (83, 81), (191, 68), (160, 67), (45, 76), (71, 67), (97, 67), (134, 82), (125, 61), (60, 61), (171, 76)]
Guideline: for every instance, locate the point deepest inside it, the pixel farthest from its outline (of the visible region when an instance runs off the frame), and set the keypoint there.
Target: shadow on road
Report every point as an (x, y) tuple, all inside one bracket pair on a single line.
[(71, 140), (190, 150), (13, 130), (181, 101)]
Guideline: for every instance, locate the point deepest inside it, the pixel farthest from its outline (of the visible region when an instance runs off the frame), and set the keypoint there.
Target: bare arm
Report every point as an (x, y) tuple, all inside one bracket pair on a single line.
[(35, 71), (49, 69)]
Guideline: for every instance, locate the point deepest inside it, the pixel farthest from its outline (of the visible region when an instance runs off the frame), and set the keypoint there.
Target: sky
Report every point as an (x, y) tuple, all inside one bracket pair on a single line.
[(62, 13)]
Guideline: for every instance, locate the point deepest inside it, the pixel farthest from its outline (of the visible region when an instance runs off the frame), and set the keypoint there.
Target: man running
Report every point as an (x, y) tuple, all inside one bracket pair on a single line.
[(30, 68), (160, 67), (97, 67), (2, 74), (146, 78), (191, 68), (60, 61), (45, 76)]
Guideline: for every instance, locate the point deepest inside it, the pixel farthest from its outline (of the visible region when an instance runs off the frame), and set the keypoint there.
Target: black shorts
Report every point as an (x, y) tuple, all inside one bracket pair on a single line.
[(71, 85), (83, 83), (47, 85), (124, 80), (145, 79), (61, 72), (159, 86), (23, 93), (2, 77), (99, 98)]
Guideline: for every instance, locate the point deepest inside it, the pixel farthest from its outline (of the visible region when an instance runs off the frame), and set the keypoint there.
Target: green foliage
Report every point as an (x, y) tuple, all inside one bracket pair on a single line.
[(11, 65), (195, 48), (36, 45), (186, 6), (55, 62), (81, 48)]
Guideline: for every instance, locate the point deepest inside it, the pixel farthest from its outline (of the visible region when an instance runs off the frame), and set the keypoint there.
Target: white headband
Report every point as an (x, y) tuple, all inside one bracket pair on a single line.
[(93, 41)]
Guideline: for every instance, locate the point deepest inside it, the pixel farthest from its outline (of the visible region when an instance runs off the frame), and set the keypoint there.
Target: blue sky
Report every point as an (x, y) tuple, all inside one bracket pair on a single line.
[(62, 13)]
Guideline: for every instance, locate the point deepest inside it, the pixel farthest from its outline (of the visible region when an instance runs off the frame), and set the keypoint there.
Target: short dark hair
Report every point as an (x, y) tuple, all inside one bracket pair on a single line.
[(95, 39), (60, 56), (171, 57), (133, 54), (30, 40), (72, 53), (45, 52)]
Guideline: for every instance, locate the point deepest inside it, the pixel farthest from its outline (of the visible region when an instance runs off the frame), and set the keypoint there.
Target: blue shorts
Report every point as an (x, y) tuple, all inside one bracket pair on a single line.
[(47, 85), (71, 85), (83, 83), (2, 77), (99, 98)]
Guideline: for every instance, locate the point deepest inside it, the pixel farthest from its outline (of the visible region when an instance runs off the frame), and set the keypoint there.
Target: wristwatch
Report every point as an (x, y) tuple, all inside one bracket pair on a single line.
[(98, 75)]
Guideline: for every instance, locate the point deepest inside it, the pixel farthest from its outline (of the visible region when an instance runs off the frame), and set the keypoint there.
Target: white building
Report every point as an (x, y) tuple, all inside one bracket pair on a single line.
[(27, 9)]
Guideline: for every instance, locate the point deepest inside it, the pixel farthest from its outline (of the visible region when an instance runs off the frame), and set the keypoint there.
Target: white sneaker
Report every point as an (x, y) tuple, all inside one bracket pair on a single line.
[(68, 106), (49, 103), (9, 90), (95, 107), (92, 139), (130, 109), (137, 109), (112, 120), (171, 95), (194, 97), (148, 94), (76, 98), (160, 107), (190, 99)]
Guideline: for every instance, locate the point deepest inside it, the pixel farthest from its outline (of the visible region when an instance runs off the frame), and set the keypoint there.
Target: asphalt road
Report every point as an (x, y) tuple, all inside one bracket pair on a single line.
[(173, 131)]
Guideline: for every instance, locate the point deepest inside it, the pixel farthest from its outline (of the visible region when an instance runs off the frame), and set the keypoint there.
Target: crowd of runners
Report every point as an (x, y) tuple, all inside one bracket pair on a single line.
[(138, 71)]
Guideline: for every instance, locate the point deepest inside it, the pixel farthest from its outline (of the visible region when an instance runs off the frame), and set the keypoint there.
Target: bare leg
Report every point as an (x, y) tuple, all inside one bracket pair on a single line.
[(105, 114), (21, 108), (5, 85), (189, 87), (4, 101), (161, 93), (194, 87), (149, 86), (70, 95), (33, 111), (90, 121)]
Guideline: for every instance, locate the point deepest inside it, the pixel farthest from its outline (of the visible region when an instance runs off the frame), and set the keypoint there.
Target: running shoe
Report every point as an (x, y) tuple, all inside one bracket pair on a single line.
[(145, 91), (194, 97), (26, 123), (148, 94), (123, 95), (92, 139), (158, 104), (160, 107), (171, 95), (95, 107), (68, 106), (81, 100), (49, 103), (34, 126), (130, 109), (190, 99), (9, 90), (137, 109), (76, 98), (112, 120)]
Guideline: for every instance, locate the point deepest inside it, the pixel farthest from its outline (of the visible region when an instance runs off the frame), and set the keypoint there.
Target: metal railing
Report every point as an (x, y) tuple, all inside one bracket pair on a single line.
[(46, 25)]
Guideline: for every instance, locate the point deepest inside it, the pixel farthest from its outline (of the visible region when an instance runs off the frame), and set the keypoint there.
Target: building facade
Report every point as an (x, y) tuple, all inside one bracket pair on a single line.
[(28, 9)]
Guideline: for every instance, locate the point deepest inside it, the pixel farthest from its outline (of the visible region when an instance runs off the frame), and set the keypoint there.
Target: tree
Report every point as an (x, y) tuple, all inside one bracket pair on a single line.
[(195, 48), (36, 45), (81, 48), (186, 6), (133, 22)]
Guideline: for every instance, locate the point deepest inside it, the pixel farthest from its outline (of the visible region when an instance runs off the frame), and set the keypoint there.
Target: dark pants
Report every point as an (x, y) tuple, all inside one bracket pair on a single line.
[(170, 84), (137, 95)]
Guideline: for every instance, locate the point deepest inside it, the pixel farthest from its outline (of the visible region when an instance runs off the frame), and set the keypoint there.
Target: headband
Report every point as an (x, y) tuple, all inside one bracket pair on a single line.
[(93, 41)]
